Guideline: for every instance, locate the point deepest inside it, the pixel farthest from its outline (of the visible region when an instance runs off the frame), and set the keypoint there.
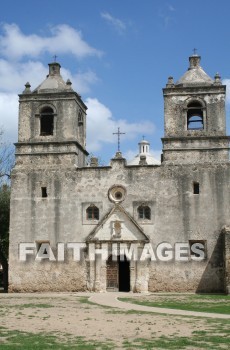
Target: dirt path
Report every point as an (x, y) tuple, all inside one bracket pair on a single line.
[(71, 315), (111, 299)]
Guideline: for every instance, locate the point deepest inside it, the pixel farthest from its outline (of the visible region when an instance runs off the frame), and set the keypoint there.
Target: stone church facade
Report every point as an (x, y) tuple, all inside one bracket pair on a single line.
[(59, 201)]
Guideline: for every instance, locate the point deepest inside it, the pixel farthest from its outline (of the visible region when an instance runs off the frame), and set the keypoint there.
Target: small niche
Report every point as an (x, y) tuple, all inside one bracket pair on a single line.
[(44, 192), (196, 188)]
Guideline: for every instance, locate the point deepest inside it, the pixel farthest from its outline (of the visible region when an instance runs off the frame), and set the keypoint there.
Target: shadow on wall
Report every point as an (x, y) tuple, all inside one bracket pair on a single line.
[(213, 278), (4, 279)]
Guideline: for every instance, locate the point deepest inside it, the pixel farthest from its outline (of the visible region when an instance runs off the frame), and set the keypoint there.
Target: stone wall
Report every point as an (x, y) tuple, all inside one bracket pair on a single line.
[(178, 215), (175, 102)]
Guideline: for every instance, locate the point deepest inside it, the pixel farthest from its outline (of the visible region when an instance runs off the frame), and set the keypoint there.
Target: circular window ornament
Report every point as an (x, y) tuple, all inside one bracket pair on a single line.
[(117, 193)]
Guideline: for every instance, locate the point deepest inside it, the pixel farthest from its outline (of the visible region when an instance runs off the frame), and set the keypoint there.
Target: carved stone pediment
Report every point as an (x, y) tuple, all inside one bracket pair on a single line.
[(117, 225)]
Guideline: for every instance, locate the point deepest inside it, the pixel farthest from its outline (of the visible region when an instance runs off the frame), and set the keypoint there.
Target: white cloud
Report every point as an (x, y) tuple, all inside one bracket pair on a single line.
[(63, 39), (14, 45), (101, 125), (130, 154), (117, 24), (171, 8), (166, 13), (14, 72), (14, 75), (9, 115), (83, 80)]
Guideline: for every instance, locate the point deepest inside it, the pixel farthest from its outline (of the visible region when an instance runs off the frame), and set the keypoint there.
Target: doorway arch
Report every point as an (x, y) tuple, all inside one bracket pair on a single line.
[(124, 275), (118, 274)]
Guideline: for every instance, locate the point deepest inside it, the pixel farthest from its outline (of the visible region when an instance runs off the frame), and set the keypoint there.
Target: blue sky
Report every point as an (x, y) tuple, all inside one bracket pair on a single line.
[(118, 54)]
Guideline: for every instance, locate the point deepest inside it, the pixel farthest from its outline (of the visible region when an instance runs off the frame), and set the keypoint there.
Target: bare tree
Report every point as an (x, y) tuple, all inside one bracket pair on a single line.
[(98, 160), (6, 159)]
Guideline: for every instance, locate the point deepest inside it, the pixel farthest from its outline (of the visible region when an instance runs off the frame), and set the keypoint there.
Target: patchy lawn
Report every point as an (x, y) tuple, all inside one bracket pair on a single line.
[(69, 321), (191, 302)]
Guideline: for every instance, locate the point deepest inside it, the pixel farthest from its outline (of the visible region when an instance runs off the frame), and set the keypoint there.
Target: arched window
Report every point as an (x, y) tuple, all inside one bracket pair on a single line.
[(144, 212), (80, 118), (195, 116), (92, 213), (46, 121)]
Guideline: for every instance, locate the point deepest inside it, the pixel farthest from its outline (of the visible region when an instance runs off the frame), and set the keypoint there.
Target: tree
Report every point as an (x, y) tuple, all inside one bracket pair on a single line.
[(6, 159), (6, 164), (4, 231), (97, 160)]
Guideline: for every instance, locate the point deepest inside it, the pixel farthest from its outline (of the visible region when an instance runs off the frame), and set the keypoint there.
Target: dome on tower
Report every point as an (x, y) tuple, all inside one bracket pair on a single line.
[(144, 157), (54, 81), (195, 75)]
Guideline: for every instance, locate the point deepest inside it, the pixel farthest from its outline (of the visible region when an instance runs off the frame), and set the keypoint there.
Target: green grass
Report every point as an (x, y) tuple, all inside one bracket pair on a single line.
[(129, 312), (201, 303), (216, 336), (199, 342), (110, 309), (11, 340), (214, 333), (25, 306), (85, 300), (35, 306)]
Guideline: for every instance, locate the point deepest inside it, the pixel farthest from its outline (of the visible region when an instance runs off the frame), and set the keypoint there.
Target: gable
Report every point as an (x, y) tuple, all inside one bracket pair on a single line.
[(118, 225)]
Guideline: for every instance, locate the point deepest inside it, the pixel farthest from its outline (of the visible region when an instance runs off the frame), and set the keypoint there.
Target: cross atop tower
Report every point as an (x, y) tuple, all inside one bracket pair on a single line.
[(194, 52), (118, 133)]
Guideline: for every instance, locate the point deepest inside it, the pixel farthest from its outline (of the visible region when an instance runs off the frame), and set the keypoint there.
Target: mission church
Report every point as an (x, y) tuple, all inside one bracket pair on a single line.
[(58, 199)]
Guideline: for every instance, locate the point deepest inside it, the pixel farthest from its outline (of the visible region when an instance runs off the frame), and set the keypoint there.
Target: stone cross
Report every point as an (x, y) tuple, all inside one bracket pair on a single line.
[(194, 51), (118, 133)]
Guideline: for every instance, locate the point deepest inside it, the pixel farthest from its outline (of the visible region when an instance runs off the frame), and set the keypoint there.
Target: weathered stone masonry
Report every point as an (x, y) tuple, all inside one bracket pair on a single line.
[(57, 198)]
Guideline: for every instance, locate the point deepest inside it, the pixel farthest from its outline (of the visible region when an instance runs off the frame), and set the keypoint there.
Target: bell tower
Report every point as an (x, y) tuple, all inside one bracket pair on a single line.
[(52, 123), (195, 122)]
